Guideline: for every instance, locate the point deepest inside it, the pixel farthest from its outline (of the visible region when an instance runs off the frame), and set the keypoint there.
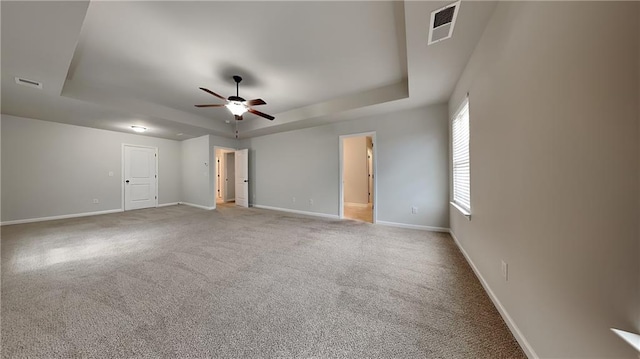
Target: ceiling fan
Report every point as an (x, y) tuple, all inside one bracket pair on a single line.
[(236, 104)]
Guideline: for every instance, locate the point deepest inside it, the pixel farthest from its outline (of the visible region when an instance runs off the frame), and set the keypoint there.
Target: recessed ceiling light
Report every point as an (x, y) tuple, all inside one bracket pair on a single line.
[(179, 134), (138, 128)]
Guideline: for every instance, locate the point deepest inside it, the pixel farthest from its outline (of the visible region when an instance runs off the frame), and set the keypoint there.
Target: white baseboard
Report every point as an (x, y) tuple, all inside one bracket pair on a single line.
[(64, 216), (315, 214), (168, 204), (524, 343), (197, 206), (413, 226), (353, 204)]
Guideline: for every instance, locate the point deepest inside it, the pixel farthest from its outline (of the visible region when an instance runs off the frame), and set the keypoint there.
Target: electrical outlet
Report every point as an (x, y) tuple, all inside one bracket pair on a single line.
[(505, 271), (414, 210), (95, 201), (311, 202), (293, 199)]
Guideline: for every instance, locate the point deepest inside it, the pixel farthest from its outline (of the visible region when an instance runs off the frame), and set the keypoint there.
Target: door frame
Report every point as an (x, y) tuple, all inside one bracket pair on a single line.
[(122, 169), (215, 172), (374, 172)]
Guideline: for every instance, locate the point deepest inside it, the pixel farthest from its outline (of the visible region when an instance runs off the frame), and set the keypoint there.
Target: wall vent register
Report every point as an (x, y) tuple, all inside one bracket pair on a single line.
[(442, 23), (29, 83)]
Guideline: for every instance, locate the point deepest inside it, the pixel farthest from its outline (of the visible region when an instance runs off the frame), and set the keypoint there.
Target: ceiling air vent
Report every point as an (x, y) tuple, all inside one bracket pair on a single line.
[(442, 22), (30, 83)]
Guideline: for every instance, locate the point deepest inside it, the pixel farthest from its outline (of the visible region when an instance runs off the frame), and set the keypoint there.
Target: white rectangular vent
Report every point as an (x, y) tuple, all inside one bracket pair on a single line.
[(27, 82), (442, 22)]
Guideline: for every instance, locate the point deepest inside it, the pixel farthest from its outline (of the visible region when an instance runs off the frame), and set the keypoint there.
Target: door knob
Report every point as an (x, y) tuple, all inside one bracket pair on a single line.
[(127, 181), (246, 180)]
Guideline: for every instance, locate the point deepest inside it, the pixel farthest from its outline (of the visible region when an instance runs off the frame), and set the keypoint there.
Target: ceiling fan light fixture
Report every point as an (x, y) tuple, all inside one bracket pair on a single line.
[(138, 128), (237, 108), (236, 104)]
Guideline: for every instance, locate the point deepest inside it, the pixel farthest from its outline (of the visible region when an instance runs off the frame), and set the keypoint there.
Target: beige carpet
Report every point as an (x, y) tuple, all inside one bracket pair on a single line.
[(181, 282)]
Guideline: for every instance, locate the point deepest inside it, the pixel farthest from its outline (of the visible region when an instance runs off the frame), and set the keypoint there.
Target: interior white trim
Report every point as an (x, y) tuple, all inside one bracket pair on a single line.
[(197, 206), (632, 339), (315, 214), (341, 171), (413, 226), (168, 204), (462, 210), (64, 216), (524, 343)]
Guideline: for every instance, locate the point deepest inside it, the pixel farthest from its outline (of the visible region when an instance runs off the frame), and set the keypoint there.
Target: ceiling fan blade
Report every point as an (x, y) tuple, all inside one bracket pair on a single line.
[(261, 114), (213, 93), (238, 117), (256, 102), (210, 105)]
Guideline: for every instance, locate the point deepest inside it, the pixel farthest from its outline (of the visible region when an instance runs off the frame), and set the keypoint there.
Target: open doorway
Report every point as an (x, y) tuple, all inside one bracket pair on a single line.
[(225, 178), (357, 172)]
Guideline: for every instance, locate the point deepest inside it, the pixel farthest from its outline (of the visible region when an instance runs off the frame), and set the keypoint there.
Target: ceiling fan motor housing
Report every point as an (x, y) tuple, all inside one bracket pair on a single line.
[(236, 98)]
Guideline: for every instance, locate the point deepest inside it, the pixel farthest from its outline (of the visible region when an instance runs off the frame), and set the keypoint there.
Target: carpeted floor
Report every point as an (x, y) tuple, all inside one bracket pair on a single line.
[(182, 282)]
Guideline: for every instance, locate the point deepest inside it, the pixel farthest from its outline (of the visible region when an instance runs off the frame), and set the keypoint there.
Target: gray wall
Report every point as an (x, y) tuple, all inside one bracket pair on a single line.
[(411, 150), (196, 174), (198, 164), (52, 169), (554, 172)]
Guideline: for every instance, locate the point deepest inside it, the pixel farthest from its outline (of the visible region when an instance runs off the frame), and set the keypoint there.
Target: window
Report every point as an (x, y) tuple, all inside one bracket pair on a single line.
[(460, 147)]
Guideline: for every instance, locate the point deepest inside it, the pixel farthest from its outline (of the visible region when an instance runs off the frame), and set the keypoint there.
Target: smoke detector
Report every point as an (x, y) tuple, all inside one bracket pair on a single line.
[(30, 83), (442, 22)]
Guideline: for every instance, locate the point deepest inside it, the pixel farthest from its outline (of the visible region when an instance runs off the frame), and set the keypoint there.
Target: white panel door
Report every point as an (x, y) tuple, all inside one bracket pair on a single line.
[(242, 177), (230, 177), (140, 177)]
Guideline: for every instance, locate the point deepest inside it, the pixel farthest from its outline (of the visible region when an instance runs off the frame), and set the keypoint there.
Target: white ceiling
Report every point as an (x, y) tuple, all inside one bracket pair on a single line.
[(111, 65)]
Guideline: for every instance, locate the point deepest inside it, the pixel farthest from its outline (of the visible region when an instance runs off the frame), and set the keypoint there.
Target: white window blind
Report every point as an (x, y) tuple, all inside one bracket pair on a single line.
[(461, 175)]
